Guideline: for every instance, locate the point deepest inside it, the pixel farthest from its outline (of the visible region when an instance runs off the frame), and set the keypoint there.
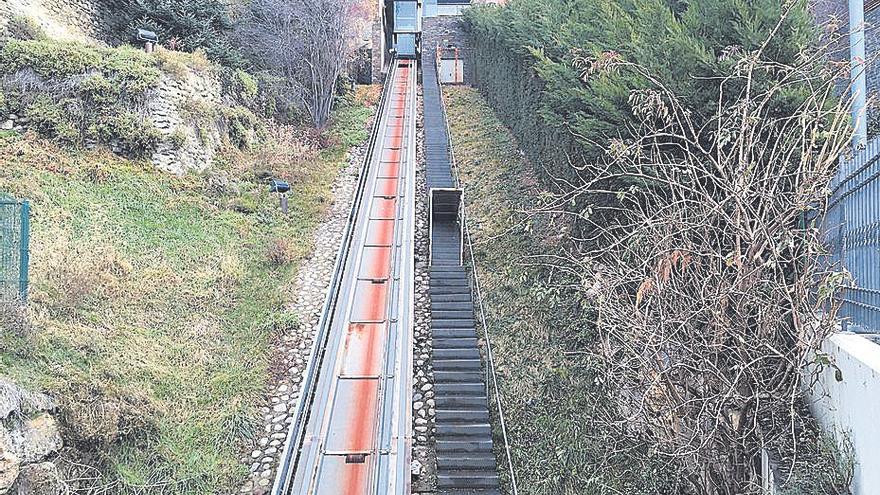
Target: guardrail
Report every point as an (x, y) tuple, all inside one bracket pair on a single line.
[(852, 232)]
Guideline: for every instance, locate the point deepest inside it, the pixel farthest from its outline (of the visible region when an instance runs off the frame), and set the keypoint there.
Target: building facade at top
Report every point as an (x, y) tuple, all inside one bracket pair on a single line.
[(403, 27)]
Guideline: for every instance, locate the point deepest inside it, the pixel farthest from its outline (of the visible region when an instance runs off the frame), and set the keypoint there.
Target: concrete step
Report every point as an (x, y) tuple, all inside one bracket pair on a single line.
[(466, 462), (437, 314), (456, 354), (457, 364), (458, 377), (451, 431), (452, 416), (460, 403), (454, 333), (460, 390), (475, 479), (455, 343), (452, 306), (443, 291), (463, 446), (453, 297), (453, 323)]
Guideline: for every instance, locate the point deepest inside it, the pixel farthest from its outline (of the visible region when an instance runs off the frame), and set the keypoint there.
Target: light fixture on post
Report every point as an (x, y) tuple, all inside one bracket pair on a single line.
[(281, 187), (149, 39)]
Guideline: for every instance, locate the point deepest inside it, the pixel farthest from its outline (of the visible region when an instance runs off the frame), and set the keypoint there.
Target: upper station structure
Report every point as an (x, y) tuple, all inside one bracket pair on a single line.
[(398, 27)]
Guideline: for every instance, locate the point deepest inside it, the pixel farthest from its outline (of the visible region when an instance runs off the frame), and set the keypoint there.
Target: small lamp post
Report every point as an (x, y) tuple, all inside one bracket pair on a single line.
[(281, 187), (149, 38)]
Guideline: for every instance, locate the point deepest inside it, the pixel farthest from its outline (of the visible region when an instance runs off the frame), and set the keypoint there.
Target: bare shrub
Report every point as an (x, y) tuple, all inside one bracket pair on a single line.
[(279, 252), (703, 257), (308, 43), (14, 319)]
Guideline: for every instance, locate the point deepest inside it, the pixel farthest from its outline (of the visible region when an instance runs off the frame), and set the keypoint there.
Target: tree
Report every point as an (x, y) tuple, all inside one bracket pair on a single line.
[(189, 24), (307, 43)]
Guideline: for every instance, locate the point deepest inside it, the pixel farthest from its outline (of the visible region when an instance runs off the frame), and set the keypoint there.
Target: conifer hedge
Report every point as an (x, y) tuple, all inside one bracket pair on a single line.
[(526, 62)]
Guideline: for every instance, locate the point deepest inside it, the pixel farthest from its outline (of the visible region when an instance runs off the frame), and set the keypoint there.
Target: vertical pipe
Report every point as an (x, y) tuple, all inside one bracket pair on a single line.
[(857, 71), (24, 256)]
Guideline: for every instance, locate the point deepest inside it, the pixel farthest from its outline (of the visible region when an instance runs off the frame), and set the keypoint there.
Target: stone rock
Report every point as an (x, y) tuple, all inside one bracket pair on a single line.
[(39, 479), (10, 398), (10, 466), (15, 400), (35, 439), (7, 125)]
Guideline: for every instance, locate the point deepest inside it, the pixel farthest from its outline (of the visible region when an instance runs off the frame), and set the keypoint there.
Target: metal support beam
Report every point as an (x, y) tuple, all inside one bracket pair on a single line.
[(857, 72)]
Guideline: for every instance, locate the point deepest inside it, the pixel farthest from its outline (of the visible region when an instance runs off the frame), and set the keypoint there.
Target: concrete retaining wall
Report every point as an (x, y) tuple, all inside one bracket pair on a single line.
[(851, 408)]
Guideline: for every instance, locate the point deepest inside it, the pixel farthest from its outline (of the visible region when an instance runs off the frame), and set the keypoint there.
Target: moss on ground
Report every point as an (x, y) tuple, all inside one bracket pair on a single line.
[(155, 298)]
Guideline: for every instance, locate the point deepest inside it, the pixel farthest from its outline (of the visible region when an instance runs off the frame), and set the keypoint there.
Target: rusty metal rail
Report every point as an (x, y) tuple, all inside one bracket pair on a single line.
[(351, 430)]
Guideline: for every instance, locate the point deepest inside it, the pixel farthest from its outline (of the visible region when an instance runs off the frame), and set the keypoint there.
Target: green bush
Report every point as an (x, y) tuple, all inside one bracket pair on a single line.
[(49, 59), (25, 28), (87, 93), (245, 86), (240, 123), (51, 118), (188, 24), (532, 56), (98, 90), (134, 134), (133, 70)]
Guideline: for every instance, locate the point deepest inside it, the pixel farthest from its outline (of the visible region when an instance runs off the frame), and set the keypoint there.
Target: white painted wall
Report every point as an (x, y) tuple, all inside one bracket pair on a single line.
[(852, 406)]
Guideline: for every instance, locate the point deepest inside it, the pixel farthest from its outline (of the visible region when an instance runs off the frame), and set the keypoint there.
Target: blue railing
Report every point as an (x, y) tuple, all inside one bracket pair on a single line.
[(852, 228), (14, 239)]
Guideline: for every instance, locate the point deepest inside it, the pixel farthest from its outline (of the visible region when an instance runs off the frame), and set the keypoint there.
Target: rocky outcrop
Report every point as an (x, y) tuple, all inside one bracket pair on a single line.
[(190, 141), (29, 437)]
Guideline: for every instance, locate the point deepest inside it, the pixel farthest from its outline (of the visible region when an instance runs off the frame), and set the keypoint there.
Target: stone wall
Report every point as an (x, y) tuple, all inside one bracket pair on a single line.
[(29, 439), (201, 135), (448, 32), (82, 20)]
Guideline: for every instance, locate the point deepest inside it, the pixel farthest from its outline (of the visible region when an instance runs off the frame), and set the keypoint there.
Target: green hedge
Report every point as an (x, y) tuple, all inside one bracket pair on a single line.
[(528, 62)]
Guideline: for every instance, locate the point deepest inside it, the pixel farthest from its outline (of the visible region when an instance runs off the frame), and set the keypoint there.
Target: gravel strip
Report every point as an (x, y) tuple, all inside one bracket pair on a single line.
[(292, 348), (424, 456)]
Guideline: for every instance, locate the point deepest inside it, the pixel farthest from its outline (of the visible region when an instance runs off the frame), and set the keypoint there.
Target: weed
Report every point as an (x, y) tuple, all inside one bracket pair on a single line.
[(279, 252), (154, 303), (178, 138), (14, 320)]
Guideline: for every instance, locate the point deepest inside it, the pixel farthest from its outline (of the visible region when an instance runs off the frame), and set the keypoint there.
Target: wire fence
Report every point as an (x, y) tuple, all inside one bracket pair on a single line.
[(852, 229), (14, 239)]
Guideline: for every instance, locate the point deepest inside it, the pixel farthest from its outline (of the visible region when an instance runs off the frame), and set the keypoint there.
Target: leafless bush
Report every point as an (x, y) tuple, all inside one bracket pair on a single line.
[(306, 42), (709, 283), (14, 319), (279, 252)]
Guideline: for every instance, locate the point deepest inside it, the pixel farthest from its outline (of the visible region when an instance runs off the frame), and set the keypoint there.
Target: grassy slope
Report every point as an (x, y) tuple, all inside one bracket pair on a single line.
[(547, 387), (154, 296)]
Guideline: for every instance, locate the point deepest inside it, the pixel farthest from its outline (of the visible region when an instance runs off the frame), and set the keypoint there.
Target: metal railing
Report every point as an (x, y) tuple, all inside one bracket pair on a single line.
[(852, 230), (14, 240)]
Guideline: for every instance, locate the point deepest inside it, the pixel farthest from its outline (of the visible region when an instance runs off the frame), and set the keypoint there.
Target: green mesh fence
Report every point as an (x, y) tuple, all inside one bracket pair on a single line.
[(14, 233)]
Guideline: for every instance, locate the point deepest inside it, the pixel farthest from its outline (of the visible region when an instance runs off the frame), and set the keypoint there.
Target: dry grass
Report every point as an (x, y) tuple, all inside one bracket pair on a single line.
[(154, 304)]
